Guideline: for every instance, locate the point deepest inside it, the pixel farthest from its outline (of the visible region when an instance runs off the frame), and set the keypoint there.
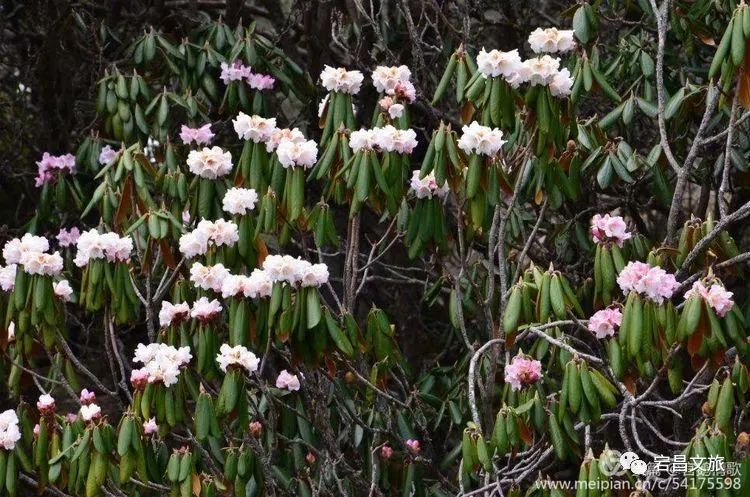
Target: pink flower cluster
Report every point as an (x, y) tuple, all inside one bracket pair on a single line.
[(608, 228), (604, 323), (652, 282), (716, 296), (201, 136), (67, 238), (51, 165), (522, 371), (237, 71)]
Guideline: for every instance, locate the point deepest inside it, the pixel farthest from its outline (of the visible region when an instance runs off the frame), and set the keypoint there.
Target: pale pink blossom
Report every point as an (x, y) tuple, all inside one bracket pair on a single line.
[(651, 282), (14, 249), (87, 396), (406, 91), (394, 110), (482, 140), (235, 71), (204, 310), (255, 128), (604, 323), (496, 63), (201, 136), (52, 165), (8, 277), (41, 263), (237, 356), (287, 381), (340, 80), (522, 371), (46, 403), (92, 245), (279, 135), (208, 277), (90, 412), (107, 155), (552, 40), (292, 154), (386, 79), (139, 378), (10, 434), (150, 427), (239, 201), (209, 163), (67, 238), (63, 290), (161, 363), (386, 452), (608, 228), (427, 187), (718, 297), (260, 82), (541, 70), (173, 313), (562, 84)]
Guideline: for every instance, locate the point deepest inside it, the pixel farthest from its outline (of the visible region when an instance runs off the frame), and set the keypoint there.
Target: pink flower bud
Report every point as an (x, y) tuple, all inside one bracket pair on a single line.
[(256, 428), (87, 397), (386, 452), (413, 446)]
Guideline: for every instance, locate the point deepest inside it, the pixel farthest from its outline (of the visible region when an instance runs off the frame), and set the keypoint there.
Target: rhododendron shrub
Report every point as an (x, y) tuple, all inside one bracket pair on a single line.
[(427, 261)]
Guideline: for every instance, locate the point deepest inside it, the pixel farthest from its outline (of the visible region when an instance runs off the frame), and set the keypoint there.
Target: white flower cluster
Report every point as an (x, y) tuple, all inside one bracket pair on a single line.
[(295, 271), (258, 284), (202, 310), (237, 356), (394, 82), (255, 128), (208, 277), (92, 245), (340, 80), (386, 79), (90, 412), (9, 432), (290, 145), (8, 277), (172, 313), (427, 187), (239, 201), (218, 233), (31, 252), (205, 310), (481, 140), (297, 153), (387, 139), (161, 362), (209, 163), (283, 134), (552, 40), (542, 70)]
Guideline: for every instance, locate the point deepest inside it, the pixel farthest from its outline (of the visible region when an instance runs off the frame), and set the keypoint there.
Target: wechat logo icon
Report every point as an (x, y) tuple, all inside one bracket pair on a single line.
[(631, 461)]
